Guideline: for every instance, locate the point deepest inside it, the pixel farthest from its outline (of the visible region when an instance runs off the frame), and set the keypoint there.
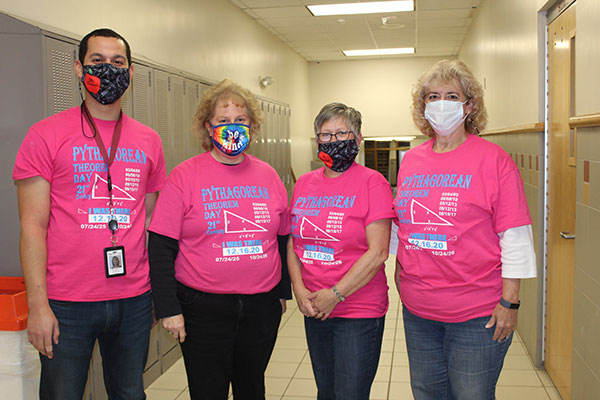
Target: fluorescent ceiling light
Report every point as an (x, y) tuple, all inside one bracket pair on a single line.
[(379, 52), (362, 8)]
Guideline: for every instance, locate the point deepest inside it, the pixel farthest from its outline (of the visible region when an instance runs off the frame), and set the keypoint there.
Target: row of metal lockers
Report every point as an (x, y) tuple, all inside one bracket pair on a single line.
[(166, 101), (38, 80)]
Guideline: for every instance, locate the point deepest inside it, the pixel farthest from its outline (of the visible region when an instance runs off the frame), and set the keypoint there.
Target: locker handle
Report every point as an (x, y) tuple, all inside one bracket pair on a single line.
[(566, 235)]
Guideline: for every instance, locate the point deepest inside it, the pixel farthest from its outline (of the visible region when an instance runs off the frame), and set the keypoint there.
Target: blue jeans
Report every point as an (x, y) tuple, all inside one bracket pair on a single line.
[(122, 328), (453, 360), (344, 354)]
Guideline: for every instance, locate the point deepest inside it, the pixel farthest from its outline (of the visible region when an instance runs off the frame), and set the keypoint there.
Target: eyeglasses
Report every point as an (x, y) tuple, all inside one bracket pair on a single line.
[(326, 137)]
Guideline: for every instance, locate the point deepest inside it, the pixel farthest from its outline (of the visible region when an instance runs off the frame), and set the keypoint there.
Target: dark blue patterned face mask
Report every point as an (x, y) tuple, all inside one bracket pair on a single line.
[(338, 155), (105, 82)]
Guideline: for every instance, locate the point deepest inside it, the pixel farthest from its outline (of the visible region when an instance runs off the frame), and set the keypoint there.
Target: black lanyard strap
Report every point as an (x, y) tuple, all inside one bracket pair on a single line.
[(108, 160)]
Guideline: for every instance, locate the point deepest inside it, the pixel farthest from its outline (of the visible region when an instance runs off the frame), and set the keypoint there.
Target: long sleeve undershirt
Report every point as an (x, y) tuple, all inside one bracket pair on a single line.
[(162, 252)]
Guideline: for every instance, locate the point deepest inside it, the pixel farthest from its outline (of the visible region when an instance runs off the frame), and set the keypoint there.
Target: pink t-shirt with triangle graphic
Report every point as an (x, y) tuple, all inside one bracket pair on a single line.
[(57, 150), (450, 208), (329, 220), (226, 219)]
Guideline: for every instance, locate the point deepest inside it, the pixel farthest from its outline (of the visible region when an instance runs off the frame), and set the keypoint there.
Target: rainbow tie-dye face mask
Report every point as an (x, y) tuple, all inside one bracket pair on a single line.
[(231, 139)]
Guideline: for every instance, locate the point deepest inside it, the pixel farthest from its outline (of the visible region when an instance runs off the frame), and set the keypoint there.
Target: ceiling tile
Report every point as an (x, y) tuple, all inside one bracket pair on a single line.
[(269, 3), (444, 22), (281, 12), (291, 21), (444, 4), (438, 27), (443, 14)]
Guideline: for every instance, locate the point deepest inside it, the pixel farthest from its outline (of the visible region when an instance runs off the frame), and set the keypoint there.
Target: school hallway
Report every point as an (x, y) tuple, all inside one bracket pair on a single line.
[(289, 375)]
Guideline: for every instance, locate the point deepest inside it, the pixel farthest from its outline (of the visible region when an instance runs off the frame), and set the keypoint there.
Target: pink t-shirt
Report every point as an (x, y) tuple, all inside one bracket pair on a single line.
[(451, 207), (56, 150), (226, 219), (329, 220)]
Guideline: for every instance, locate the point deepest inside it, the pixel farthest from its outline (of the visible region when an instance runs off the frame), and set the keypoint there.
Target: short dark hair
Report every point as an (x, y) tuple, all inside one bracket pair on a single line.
[(103, 32)]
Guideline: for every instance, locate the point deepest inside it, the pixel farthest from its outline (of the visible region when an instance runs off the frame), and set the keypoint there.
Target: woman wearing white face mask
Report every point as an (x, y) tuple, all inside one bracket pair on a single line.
[(465, 242)]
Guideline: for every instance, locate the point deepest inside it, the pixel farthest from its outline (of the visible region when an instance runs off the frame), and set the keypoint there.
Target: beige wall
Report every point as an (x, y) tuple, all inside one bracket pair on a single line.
[(586, 307), (502, 50), (213, 39), (379, 89)]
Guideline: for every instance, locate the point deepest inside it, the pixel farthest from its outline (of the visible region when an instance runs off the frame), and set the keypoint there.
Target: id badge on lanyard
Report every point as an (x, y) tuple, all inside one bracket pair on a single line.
[(114, 256)]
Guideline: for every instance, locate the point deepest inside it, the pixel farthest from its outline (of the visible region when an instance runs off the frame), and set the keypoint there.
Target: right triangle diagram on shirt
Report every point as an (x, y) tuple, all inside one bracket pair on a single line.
[(236, 224), (308, 230), (100, 190), (421, 215)]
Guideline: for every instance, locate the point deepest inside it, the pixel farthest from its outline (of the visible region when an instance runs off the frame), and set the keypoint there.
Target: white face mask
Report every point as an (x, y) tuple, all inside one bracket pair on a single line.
[(445, 116)]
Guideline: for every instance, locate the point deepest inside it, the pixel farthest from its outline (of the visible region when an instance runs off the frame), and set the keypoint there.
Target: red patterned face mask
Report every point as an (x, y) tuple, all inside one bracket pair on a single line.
[(338, 155), (105, 82)]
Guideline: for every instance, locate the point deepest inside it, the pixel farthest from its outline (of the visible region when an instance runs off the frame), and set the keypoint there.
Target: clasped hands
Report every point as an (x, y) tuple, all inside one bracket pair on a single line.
[(317, 304)]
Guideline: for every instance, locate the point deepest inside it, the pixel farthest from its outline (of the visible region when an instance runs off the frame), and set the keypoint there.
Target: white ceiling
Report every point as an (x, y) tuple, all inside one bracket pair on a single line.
[(435, 28)]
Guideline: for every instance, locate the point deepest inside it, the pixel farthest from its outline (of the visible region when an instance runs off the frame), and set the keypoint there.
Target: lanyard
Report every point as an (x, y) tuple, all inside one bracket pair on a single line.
[(112, 223)]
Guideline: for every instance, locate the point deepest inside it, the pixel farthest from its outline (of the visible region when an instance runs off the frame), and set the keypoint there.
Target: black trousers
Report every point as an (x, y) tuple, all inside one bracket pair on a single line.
[(230, 338)]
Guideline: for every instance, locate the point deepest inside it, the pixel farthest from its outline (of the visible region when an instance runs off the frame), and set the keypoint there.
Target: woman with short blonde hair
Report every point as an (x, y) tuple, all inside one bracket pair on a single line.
[(465, 242), (214, 251)]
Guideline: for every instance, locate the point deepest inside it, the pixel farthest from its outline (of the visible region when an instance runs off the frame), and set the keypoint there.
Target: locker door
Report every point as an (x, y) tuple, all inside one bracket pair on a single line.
[(276, 132), (177, 116), (127, 100), (259, 145), (268, 144), (194, 91), (142, 96), (288, 150), (62, 92), (162, 106)]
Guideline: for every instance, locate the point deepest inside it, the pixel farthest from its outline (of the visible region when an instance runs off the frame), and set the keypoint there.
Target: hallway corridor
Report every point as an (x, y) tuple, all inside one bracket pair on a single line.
[(289, 375)]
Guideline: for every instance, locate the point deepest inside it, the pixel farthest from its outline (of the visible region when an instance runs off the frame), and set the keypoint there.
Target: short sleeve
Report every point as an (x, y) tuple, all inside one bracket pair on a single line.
[(381, 201), (158, 174), (168, 215), (34, 158), (510, 205)]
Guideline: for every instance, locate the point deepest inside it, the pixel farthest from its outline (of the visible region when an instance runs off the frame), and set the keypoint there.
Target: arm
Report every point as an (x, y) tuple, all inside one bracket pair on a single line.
[(34, 213), (149, 203), (295, 271), (284, 287), (363, 270), (518, 261), (162, 252), (505, 319)]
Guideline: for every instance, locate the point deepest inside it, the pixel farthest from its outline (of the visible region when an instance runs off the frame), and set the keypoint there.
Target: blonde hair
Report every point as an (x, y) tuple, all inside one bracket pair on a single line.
[(224, 90), (446, 71)]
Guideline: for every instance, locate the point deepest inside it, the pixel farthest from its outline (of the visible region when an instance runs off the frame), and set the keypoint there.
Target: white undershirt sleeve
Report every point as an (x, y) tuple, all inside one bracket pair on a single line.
[(394, 239), (517, 253)]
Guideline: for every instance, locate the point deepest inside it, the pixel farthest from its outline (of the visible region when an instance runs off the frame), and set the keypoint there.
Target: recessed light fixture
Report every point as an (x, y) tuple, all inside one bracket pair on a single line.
[(379, 52), (362, 8)]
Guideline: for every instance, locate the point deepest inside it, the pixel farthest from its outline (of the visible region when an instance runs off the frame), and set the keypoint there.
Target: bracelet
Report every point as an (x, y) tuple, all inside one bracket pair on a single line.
[(338, 294), (507, 304)]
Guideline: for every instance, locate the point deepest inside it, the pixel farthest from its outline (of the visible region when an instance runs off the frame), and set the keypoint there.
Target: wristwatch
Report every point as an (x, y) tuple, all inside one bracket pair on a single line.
[(508, 304)]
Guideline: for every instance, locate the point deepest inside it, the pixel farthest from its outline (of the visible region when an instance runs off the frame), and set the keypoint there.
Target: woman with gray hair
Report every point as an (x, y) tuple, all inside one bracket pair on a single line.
[(341, 217)]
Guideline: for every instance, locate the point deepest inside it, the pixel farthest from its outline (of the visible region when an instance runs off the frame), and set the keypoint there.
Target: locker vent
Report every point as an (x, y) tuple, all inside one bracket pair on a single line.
[(161, 96), (126, 102), (141, 96), (62, 83), (179, 132)]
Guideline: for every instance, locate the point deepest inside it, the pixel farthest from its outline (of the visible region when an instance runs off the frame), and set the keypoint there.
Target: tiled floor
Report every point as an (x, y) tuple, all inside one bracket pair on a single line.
[(289, 375)]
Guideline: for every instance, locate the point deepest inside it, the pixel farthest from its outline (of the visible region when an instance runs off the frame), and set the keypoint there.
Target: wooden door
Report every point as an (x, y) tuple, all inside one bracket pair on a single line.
[(561, 210)]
